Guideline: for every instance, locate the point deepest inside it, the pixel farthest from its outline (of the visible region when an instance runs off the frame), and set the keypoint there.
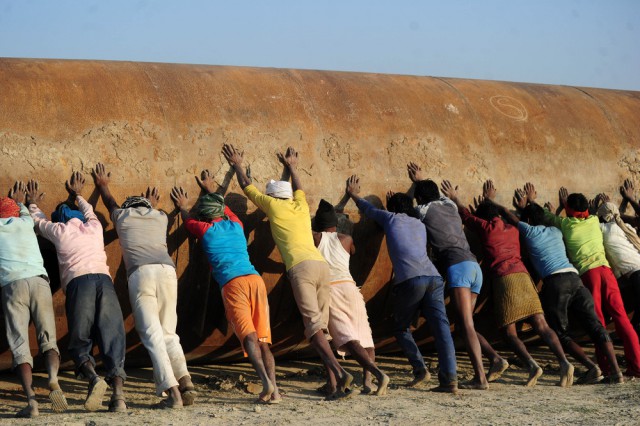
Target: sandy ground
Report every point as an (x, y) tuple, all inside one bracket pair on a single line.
[(506, 402)]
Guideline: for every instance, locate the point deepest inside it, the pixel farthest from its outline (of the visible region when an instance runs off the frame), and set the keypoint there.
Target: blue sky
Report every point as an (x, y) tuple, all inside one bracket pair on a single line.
[(593, 43)]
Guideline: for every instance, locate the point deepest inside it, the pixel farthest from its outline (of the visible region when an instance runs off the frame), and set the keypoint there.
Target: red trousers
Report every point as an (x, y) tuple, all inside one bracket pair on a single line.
[(606, 295)]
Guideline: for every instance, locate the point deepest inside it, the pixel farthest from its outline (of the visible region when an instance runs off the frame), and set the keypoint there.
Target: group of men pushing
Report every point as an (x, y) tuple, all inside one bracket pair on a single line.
[(577, 279)]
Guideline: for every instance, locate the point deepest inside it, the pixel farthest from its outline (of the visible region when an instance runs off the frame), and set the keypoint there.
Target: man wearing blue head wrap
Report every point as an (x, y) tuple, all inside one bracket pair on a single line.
[(93, 311), (64, 213)]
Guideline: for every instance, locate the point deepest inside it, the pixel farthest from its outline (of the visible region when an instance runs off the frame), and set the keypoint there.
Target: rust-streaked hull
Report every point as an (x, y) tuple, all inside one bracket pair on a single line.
[(159, 124)]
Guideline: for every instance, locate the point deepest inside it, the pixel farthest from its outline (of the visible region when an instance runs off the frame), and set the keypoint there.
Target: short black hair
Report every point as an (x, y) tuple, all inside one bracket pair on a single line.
[(487, 211), (577, 202), (401, 203), (426, 191), (533, 214)]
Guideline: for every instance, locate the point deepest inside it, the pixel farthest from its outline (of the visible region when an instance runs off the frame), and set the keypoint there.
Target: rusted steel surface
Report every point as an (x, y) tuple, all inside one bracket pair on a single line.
[(159, 124)]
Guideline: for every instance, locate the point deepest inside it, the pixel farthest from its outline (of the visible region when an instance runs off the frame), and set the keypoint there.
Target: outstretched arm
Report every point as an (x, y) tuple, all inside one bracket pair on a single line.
[(415, 172), (290, 160), (489, 194), (102, 178), (180, 199), (451, 193), (627, 191), (353, 188), (205, 182), (74, 187), (235, 159)]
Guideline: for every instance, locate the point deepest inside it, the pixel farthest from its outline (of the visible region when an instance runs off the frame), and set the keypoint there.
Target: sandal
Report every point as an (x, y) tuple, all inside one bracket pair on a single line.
[(188, 395), (58, 400), (97, 388), (115, 406)]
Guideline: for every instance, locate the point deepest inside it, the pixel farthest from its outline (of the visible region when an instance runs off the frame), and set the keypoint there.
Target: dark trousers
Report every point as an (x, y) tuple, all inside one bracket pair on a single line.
[(424, 295), (94, 317), (565, 292)]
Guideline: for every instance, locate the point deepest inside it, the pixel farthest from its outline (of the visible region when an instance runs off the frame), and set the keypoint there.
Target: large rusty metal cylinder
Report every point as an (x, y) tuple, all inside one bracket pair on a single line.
[(160, 124)]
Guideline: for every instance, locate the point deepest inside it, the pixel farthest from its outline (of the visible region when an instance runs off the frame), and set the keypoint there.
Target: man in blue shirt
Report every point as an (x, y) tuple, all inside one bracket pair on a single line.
[(417, 285)]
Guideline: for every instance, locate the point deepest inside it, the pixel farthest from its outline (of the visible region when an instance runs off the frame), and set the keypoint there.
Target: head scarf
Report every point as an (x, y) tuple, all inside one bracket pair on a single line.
[(136, 202), (210, 206), (64, 213), (8, 208), (326, 216), (572, 213), (609, 213), (279, 189)]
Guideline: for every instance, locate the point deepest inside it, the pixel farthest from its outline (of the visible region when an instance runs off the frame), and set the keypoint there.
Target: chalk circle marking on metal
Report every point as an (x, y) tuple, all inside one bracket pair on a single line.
[(509, 107)]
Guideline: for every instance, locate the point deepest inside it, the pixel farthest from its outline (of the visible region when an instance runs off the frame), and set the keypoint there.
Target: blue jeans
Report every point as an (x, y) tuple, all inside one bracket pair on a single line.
[(94, 316), (424, 295)]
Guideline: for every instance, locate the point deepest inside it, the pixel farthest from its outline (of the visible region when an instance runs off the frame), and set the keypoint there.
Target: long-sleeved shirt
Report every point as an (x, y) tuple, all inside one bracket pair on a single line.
[(501, 243), (80, 245), (444, 228), (546, 249), (224, 244), (19, 252), (583, 239), (406, 242), (290, 224)]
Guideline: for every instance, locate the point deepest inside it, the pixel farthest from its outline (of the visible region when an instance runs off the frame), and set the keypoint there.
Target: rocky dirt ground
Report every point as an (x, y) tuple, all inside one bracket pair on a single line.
[(225, 399)]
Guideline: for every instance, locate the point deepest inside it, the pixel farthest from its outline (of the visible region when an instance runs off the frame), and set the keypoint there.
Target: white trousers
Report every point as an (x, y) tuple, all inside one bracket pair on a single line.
[(153, 293)]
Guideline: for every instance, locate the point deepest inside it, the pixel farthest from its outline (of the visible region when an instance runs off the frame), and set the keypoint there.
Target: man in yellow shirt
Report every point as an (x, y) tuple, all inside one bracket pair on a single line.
[(286, 207)]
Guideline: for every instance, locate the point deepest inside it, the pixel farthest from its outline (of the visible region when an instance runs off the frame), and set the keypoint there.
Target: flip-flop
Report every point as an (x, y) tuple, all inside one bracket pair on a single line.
[(96, 392), (58, 401), (114, 407)]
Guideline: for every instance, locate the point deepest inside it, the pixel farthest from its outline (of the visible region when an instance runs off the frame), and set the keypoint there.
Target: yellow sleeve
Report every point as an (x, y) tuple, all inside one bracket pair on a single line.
[(300, 198), (263, 202)]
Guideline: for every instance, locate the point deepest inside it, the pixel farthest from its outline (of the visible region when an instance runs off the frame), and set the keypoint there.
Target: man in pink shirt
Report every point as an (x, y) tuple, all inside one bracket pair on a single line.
[(93, 311)]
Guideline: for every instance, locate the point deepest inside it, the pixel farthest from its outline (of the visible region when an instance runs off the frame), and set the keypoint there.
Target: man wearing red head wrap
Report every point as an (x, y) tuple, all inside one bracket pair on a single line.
[(26, 297), (8, 208), (585, 248)]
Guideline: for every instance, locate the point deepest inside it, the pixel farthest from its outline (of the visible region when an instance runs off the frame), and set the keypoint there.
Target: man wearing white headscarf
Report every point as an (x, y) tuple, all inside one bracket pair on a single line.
[(286, 207), (622, 247)]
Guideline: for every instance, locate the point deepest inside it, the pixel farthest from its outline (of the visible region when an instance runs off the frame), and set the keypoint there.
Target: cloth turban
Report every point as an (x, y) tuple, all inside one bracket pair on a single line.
[(326, 216), (609, 212), (64, 213), (136, 202), (8, 208), (279, 189), (210, 206)]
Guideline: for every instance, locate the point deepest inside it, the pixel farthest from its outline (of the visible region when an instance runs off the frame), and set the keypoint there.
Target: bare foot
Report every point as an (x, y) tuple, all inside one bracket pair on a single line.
[(368, 388), (31, 410), (326, 389), (383, 383), (534, 372), (566, 375), (345, 382), (496, 369)]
